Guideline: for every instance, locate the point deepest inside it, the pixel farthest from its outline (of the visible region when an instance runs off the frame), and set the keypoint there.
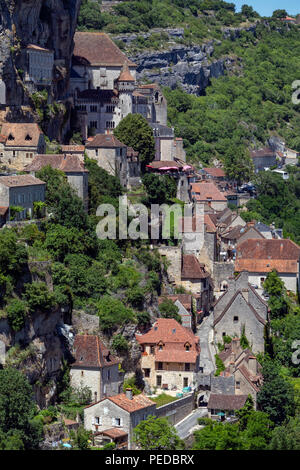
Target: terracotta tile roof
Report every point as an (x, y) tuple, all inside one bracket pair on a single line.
[(37, 48), (3, 139), (105, 141), (265, 152), (167, 330), (192, 269), (3, 210), (207, 192), (256, 255), (210, 226), (69, 422), (175, 355), (20, 181), (125, 75), (165, 163), (114, 433), (215, 172), (235, 233), (226, 353), (73, 148), (21, 134), (251, 379), (65, 163), (137, 403), (97, 49), (89, 351), (226, 402)]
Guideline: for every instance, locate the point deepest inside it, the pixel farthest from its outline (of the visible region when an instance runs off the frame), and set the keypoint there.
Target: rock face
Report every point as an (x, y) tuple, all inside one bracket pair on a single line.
[(47, 23), (190, 66)]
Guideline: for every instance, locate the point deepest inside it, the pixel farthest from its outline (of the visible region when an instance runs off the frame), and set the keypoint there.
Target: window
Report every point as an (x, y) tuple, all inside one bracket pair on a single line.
[(110, 109), (93, 108), (94, 124), (237, 385), (151, 349), (147, 373), (262, 280), (82, 373), (160, 366), (108, 374), (185, 382), (117, 421), (235, 319), (224, 333), (187, 366), (158, 380)]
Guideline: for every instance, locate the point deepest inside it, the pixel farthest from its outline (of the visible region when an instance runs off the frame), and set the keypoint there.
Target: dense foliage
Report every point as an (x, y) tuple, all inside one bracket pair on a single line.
[(157, 434)]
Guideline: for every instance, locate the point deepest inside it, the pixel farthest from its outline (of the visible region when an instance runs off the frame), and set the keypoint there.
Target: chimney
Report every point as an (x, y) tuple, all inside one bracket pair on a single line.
[(235, 345), (129, 393), (252, 364), (231, 367)]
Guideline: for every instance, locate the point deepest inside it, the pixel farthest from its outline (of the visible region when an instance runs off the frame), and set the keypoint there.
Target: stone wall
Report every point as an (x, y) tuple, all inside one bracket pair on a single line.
[(177, 410), (222, 272)]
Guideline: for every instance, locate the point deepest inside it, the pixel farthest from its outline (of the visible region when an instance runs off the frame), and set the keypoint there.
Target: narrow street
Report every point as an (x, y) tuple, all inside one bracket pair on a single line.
[(187, 425), (205, 333)]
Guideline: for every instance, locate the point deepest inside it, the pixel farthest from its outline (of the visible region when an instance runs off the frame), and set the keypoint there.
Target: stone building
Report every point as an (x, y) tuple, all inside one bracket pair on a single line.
[(170, 356), (224, 406), (263, 158), (195, 279), (207, 193), (240, 309), (149, 101), (97, 61), (71, 165), (19, 142), (259, 257), (244, 367), (77, 150), (117, 416), (231, 237), (21, 191), (39, 67), (110, 154), (95, 367)]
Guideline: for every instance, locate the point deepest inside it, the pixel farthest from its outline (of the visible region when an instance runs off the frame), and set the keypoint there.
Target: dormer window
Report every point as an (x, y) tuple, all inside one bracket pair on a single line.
[(28, 137), (11, 137), (187, 346)]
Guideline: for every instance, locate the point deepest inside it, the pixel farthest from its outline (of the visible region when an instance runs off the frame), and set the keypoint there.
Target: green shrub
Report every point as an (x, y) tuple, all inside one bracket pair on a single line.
[(120, 344), (16, 314), (38, 297)]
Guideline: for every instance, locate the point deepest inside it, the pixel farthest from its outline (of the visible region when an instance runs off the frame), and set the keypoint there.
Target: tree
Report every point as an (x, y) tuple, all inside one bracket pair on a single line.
[(276, 397), (81, 438), (62, 201), (286, 437), (279, 14), (38, 297), (157, 434), (160, 189), (135, 132), (169, 310), (113, 313), (218, 436), (17, 410), (16, 314), (278, 302)]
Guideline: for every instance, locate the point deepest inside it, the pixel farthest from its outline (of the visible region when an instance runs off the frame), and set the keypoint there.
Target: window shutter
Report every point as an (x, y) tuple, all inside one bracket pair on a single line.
[(93, 420)]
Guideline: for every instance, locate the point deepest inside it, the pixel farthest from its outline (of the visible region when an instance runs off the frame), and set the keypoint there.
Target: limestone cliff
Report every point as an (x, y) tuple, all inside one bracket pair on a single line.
[(47, 23), (190, 66)]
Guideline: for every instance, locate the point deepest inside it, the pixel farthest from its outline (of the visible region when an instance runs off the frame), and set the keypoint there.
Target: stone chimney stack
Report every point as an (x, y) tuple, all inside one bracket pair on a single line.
[(252, 364), (129, 393), (236, 346)]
